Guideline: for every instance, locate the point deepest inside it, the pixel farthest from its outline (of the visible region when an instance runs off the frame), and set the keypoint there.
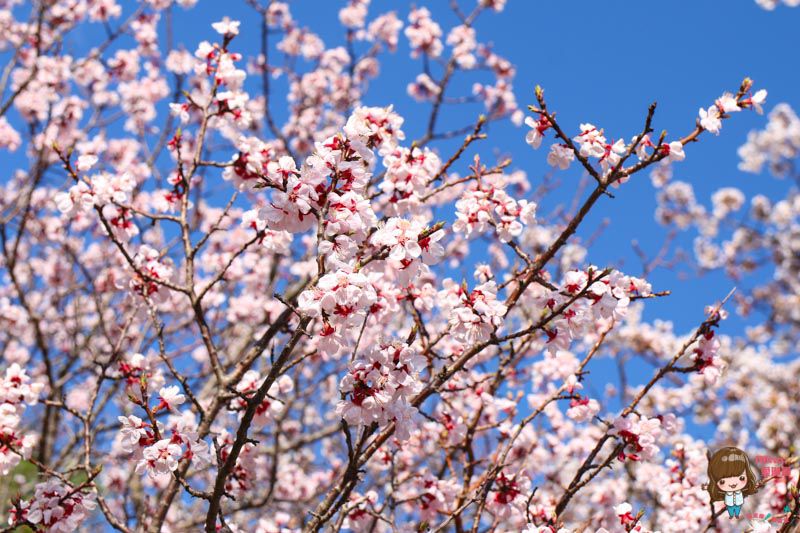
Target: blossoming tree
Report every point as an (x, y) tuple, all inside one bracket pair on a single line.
[(216, 317)]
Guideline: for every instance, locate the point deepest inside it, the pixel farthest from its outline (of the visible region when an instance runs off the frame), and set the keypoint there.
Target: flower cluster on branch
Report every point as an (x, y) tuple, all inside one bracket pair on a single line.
[(241, 292)]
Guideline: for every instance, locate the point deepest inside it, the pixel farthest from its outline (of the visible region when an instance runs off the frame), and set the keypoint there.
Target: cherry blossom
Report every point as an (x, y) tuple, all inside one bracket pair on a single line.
[(86, 162), (401, 236), (243, 289), (474, 314), (488, 205), (583, 409), (57, 507), (226, 27), (353, 14), (423, 33), (149, 271), (160, 458), (674, 150), (623, 511), (269, 407), (170, 398), (378, 387), (710, 119), (506, 499), (560, 156), (640, 436), (423, 88), (17, 392), (772, 4), (777, 145), (408, 174), (375, 127), (462, 39), (9, 138), (538, 128)]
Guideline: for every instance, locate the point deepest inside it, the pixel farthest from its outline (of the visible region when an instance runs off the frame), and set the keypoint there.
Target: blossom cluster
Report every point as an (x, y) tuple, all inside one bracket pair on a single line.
[(772, 4), (777, 145), (17, 391), (149, 271), (592, 144), (474, 314), (707, 358), (603, 301), (147, 441), (640, 435), (55, 506), (227, 308), (711, 118), (487, 205), (409, 172), (268, 408), (379, 385)]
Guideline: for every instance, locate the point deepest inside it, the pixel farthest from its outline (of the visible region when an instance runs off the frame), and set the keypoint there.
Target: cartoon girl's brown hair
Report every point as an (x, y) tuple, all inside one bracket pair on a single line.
[(730, 462)]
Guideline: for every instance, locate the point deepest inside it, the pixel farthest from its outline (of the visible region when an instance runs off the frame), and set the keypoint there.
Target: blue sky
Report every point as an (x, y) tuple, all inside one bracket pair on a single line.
[(599, 62), (602, 62)]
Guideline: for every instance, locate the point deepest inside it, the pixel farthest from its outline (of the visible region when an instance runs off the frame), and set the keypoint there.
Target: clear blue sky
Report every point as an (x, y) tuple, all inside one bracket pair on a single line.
[(599, 62), (604, 63)]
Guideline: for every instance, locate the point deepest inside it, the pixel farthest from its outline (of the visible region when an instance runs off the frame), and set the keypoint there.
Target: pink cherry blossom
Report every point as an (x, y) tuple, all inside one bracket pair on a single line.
[(170, 398), (423, 33), (160, 458), (57, 507), (226, 27), (560, 156), (246, 288)]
